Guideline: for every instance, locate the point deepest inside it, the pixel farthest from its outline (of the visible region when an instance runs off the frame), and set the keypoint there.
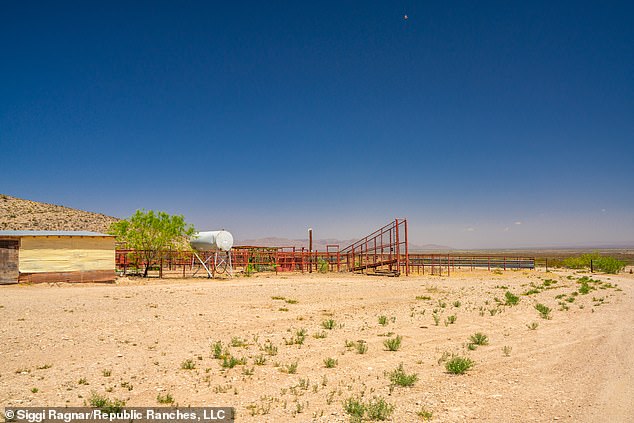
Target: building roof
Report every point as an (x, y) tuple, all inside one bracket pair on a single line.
[(50, 233)]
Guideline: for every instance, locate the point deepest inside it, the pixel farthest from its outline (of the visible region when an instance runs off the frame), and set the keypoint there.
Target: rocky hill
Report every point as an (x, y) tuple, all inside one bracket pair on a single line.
[(18, 214)]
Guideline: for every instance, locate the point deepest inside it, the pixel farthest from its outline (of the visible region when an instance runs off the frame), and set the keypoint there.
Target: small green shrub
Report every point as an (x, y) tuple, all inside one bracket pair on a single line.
[(400, 378), (479, 338), (361, 346), (584, 288), (238, 342), (579, 262), (165, 399), (322, 265), (330, 362), (378, 409), (393, 344), (270, 349), (375, 409), (609, 265), (188, 364), (320, 335), (425, 414), (458, 365), (511, 299), (383, 320), (290, 368), (329, 324), (217, 350), (230, 362), (105, 404), (543, 310), (354, 408)]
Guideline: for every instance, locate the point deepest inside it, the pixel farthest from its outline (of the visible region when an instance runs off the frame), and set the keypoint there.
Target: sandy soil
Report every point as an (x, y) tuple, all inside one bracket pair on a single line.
[(129, 340)]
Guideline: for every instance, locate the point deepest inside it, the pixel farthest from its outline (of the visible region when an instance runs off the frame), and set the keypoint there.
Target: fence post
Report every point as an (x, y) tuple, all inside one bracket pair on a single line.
[(448, 274), (398, 249), (406, 251)]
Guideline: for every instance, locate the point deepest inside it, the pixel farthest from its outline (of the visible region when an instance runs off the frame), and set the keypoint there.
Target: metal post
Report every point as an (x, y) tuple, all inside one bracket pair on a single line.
[(398, 249), (302, 259), (364, 255), (407, 252), (310, 249), (448, 265), (391, 248)]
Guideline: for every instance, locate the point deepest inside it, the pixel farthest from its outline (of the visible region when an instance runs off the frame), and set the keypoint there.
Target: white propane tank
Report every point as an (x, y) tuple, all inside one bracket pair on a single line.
[(212, 240)]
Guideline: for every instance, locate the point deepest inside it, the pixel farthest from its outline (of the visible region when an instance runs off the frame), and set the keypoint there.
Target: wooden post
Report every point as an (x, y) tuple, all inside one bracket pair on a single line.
[(591, 266)]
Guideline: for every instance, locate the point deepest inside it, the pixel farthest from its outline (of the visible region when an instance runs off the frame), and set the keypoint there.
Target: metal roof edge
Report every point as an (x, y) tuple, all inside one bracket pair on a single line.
[(51, 233)]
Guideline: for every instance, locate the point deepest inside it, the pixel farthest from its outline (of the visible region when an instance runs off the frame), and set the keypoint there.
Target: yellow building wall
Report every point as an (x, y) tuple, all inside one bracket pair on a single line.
[(66, 254)]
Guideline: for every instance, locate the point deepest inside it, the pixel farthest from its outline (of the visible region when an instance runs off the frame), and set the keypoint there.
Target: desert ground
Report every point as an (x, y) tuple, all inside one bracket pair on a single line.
[(141, 341)]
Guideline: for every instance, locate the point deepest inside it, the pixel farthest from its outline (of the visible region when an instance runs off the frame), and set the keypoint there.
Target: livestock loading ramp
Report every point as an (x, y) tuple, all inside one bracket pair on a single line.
[(384, 251)]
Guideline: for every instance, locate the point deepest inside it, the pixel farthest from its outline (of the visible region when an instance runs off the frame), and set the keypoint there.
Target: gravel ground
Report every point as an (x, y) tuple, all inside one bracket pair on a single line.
[(131, 340)]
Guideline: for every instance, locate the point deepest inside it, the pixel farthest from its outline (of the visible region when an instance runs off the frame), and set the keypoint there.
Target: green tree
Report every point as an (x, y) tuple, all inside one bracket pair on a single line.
[(150, 233)]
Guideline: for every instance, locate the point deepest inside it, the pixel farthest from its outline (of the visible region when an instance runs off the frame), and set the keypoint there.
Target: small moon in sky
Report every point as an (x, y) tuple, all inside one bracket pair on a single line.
[(405, 17)]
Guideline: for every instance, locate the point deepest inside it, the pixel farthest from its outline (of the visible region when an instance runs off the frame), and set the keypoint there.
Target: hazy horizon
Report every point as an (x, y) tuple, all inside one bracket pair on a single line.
[(486, 125)]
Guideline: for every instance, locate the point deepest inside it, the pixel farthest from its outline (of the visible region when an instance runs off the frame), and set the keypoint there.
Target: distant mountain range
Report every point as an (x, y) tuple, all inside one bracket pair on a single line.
[(19, 214)]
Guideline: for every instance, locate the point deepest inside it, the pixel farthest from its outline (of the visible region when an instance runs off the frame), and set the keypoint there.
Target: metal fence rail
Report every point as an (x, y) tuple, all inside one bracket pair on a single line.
[(439, 263), (264, 259), (384, 251)]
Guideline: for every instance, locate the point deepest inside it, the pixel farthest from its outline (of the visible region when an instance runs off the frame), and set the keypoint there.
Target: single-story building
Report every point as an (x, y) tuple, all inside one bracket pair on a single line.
[(56, 256)]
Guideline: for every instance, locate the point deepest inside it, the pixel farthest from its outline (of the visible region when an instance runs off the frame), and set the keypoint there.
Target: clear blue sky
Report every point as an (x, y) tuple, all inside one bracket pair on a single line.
[(486, 124)]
